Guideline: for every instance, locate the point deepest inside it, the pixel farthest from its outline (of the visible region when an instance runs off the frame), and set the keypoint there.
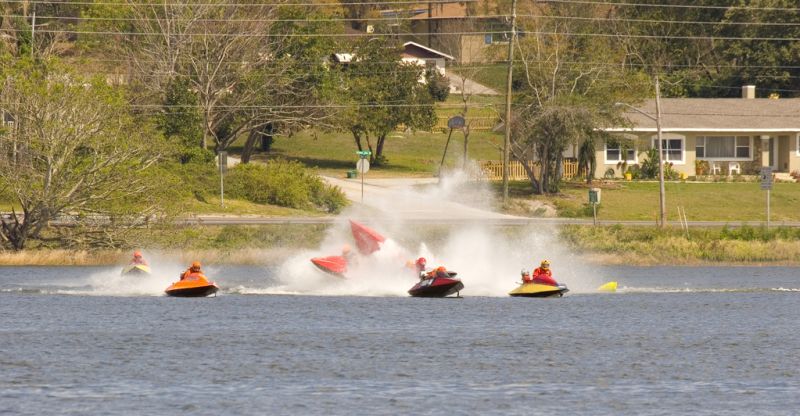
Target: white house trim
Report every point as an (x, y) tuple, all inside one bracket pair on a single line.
[(654, 143), (797, 144), (606, 161), (433, 51), (728, 159), (704, 130)]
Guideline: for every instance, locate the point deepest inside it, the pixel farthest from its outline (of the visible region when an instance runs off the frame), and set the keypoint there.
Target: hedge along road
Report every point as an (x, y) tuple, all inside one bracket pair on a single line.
[(398, 198)]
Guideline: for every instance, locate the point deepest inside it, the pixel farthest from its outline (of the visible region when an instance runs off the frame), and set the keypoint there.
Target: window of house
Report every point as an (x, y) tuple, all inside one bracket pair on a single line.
[(797, 147), (488, 39), (723, 147), (613, 153), (672, 148)]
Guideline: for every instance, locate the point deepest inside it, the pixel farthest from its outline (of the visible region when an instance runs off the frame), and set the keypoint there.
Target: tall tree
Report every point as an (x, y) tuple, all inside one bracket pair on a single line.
[(383, 93), (566, 88), (77, 152)]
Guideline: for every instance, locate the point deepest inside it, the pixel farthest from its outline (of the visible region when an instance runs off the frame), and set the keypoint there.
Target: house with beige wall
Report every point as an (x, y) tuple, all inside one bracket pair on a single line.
[(731, 135)]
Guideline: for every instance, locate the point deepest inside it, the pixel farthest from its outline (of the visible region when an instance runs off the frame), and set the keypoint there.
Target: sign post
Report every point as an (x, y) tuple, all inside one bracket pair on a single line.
[(223, 167), (362, 166), (594, 199), (453, 123), (766, 185)]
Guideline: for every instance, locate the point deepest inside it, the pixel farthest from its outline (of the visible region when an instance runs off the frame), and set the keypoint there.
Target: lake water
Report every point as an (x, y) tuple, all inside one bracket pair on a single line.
[(700, 341)]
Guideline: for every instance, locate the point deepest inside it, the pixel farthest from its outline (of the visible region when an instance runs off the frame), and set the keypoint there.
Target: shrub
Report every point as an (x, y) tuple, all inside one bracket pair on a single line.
[(438, 85), (287, 184)]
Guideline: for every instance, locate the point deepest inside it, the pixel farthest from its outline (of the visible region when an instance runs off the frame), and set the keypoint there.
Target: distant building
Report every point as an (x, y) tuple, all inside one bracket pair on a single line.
[(721, 136)]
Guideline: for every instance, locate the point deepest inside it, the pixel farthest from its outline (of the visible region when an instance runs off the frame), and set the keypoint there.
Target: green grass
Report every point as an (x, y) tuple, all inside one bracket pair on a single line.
[(415, 154), (733, 202), (241, 207), (650, 245), (492, 76)]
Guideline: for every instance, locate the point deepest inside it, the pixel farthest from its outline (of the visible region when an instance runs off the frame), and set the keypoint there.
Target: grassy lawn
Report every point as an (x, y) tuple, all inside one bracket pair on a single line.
[(241, 207), (492, 76), (702, 201), (413, 154)]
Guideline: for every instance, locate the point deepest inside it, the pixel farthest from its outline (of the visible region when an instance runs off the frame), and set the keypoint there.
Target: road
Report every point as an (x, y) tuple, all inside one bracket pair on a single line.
[(255, 220)]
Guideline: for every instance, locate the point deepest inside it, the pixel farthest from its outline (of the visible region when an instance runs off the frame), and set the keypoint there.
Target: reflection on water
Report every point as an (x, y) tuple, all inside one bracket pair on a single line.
[(682, 340)]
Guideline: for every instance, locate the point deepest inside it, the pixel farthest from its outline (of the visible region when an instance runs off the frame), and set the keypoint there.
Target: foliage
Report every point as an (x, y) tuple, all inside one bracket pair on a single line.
[(587, 159), (76, 151), (382, 93), (438, 85), (564, 89), (651, 245), (282, 183), (649, 167)]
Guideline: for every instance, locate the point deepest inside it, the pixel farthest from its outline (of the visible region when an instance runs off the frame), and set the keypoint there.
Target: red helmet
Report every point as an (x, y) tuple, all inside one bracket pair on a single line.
[(421, 261), (137, 254)]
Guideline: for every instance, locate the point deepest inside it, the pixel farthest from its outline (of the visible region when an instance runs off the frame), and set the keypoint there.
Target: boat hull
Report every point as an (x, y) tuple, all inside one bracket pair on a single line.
[(538, 290), (438, 287), (333, 265), (193, 286), (135, 269)]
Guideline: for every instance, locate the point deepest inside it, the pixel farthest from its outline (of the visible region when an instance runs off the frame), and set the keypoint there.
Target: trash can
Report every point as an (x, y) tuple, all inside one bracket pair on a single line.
[(352, 174)]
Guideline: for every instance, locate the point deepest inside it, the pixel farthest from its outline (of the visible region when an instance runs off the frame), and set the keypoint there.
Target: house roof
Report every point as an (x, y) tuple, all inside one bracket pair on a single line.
[(718, 115), (416, 50), (455, 10)]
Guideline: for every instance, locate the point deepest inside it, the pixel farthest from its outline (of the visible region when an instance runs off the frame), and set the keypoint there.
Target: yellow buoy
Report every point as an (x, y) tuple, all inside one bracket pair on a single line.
[(608, 287)]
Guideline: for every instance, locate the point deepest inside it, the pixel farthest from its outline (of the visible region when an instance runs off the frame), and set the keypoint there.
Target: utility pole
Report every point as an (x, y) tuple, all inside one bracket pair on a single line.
[(507, 141), (33, 33), (661, 193)]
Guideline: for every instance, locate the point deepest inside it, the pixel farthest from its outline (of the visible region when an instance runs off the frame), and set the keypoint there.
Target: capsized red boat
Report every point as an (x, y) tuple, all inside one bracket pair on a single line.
[(438, 286), (335, 265), (368, 240), (195, 285)]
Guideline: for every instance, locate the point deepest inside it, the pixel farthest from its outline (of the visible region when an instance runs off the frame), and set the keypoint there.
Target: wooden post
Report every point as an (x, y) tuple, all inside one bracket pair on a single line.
[(507, 141)]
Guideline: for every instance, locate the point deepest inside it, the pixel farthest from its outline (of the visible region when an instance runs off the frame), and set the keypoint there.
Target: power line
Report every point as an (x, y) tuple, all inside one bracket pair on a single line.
[(611, 35), (349, 35), (677, 6), (392, 19), (287, 4), (305, 20), (256, 35)]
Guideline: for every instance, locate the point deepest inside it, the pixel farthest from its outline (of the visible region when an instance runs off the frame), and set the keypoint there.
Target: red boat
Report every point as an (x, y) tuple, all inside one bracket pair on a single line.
[(335, 265), (368, 240), (437, 287)]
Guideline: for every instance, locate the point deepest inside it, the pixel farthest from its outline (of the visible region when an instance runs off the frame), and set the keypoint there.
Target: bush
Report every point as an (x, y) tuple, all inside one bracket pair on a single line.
[(287, 184), (438, 85), (195, 154)]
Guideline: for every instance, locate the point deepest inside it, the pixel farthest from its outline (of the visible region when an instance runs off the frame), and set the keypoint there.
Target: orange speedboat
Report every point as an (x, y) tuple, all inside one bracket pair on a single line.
[(192, 286)]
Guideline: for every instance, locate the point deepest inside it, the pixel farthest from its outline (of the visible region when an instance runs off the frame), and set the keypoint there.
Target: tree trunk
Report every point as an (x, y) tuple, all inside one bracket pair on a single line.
[(544, 171), (247, 151), (379, 148), (466, 146), (531, 175), (357, 138)]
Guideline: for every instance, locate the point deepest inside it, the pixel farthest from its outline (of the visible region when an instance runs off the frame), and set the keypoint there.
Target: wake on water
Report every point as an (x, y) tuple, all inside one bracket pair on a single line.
[(487, 260)]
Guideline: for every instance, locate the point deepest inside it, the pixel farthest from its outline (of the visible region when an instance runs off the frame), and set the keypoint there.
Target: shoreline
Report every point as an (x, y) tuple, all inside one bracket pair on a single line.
[(273, 256)]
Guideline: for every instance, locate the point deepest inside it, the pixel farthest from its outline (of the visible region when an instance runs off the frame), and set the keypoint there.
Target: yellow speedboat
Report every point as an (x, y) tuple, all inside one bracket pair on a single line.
[(134, 269), (538, 290)]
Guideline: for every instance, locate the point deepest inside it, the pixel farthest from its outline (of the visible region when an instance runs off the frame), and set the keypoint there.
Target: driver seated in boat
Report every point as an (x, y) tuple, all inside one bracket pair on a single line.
[(138, 259), (419, 267), (347, 253), (543, 275), (194, 269), (526, 276), (440, 271)]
